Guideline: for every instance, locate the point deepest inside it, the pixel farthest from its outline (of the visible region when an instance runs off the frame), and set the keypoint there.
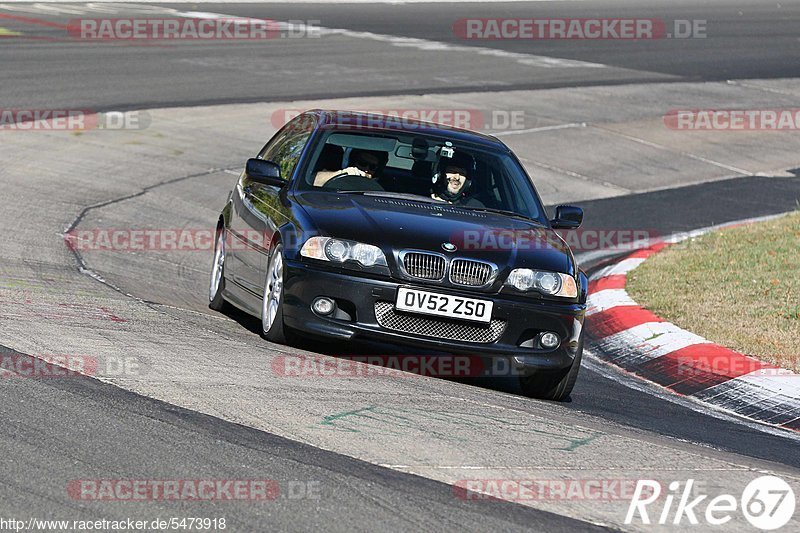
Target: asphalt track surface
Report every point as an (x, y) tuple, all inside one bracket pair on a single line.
[(745, 39), (57, 430), (136, 434)]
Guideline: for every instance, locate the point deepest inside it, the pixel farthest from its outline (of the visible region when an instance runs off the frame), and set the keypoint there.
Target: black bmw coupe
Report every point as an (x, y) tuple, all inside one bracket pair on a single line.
[(361, 226)]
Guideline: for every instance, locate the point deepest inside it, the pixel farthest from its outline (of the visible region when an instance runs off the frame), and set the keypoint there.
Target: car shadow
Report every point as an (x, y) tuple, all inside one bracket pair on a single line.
[(390, 357)]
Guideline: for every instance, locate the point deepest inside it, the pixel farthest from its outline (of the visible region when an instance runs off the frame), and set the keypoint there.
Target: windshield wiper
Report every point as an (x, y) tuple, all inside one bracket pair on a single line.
[(388, 194), (404, 196), (505, 212)]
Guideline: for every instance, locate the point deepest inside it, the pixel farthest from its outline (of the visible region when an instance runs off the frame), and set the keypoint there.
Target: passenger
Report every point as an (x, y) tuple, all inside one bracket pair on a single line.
[(365, 163)]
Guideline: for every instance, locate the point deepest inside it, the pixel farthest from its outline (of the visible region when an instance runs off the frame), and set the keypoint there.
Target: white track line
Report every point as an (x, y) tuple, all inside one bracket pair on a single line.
[(608, 298), (690, 155), (648, 341), (424, 45), (542, 128)]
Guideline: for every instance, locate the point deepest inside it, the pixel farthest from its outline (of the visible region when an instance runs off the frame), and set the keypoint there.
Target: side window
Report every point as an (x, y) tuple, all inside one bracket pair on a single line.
[(286, 147), (518, 198)]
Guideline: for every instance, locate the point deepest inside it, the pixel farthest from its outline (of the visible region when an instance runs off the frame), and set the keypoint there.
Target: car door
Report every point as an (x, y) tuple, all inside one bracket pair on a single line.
[(256, 209)]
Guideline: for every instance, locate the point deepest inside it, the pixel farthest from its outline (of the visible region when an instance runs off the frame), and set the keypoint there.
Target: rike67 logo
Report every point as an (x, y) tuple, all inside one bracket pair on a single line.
[(767, 502)]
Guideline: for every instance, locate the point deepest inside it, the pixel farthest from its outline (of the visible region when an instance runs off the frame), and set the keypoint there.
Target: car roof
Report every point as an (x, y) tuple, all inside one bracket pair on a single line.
[(333, 119)]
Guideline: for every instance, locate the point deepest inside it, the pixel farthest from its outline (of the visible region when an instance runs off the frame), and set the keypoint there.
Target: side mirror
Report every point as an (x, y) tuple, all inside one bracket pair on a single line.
[(264, 172), (567, 217)]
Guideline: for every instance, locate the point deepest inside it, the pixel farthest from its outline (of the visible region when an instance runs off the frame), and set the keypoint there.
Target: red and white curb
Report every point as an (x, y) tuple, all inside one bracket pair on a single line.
[(633, 338)]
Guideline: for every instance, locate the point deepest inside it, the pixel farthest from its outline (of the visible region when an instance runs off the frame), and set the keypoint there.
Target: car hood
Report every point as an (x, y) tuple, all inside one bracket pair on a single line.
[(397, 224)]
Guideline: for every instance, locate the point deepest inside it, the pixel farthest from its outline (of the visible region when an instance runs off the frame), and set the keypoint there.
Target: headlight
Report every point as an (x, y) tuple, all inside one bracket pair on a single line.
[(550, 283), (336, 250), (340, 250)]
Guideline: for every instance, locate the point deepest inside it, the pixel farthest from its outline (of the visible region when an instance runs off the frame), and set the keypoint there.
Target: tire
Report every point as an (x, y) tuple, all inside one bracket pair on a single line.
[(272, 327), (552, 385), (217, 283)]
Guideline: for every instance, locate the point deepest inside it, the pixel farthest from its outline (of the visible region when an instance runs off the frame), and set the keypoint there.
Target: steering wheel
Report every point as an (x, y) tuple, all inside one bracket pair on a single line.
[(352, 182), (337, 176)]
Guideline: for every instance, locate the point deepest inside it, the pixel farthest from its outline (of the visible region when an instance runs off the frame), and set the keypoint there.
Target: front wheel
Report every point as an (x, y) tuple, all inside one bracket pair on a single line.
[(552, 385), (272, 304), (217, 284)]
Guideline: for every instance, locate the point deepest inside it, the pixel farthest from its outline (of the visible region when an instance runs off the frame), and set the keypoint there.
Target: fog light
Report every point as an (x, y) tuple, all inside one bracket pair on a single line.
[(323, 306), (549, 340)]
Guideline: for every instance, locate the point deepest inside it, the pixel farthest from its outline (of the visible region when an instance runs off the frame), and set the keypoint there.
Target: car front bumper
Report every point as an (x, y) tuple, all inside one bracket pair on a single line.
[(363, 299)]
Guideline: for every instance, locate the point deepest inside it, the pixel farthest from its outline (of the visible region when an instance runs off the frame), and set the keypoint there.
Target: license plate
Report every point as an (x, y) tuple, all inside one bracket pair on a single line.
[(429, 303)]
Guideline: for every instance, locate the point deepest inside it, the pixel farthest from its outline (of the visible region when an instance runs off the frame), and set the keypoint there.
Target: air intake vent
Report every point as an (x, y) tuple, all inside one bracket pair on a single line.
[(424, 266), (437, 208), (472, 273), (434, 328)]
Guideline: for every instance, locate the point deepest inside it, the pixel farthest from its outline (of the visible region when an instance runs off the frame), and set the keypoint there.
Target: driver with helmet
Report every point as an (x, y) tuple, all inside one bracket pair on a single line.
[(453, 182)]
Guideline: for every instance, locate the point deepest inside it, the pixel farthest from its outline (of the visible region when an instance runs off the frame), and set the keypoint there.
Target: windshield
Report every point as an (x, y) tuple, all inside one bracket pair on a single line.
[(423, 167)]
